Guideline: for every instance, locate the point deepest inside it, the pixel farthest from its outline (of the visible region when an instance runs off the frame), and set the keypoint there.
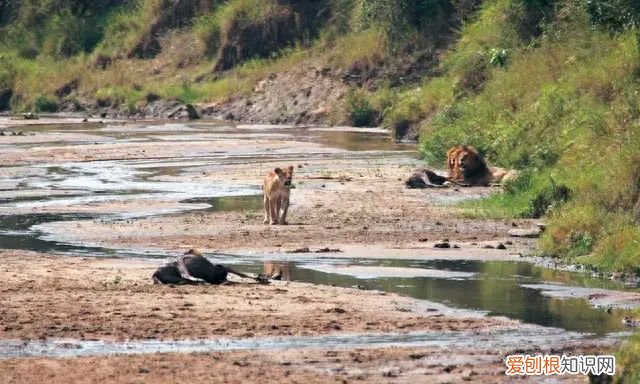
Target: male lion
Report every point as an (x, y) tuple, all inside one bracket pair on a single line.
[(470, 168), (277, 189), (452, 158)]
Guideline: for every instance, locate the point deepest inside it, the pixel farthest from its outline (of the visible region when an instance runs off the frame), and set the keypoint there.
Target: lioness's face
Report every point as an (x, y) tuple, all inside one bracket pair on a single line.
[(285, 175)]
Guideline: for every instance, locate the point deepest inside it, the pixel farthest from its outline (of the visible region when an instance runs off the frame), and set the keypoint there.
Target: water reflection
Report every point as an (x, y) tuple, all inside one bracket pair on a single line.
[(496, 288)]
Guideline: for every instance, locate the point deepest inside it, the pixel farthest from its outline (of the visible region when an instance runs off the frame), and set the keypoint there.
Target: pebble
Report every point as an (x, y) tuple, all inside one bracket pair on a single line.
[(529, 233)]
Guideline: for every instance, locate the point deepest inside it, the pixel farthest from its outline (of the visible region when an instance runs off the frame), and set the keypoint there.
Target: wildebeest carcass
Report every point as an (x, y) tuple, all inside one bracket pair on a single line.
[(193, 268)]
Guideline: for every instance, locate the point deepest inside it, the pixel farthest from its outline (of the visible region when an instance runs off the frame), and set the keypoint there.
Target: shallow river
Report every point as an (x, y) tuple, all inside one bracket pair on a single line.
[(34, 195)]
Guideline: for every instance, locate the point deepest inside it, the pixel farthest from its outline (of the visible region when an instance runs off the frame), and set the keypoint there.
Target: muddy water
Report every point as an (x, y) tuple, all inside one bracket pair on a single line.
[(526, 337), (496, 288)]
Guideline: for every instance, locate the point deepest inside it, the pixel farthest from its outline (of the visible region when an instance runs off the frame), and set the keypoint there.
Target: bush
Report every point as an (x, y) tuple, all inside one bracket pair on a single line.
[(207, 30), (628, 361), (400, 18), (44, 103), (616, 15), (360, 111), (548, 198)]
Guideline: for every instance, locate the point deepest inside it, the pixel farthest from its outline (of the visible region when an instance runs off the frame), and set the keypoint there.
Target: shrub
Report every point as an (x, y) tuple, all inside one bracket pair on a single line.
[(359, 109), (44, 103)]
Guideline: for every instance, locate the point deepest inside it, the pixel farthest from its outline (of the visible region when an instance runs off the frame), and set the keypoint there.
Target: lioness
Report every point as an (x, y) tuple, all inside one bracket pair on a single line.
[(473, 169), (277, 189), (193, 268)]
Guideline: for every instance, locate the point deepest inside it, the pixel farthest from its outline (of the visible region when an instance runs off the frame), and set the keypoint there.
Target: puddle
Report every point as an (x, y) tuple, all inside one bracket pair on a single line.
[(368, 272), (229, 203), (524, 337), (500, 288)]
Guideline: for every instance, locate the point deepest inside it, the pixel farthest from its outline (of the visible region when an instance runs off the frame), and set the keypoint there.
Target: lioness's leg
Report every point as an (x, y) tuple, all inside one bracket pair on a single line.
[(273, 211), (278, 210), (285, 207), (266, 210)]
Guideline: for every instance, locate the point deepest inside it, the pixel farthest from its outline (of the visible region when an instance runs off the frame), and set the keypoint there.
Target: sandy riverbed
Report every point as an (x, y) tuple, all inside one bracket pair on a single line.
[(359, 206)]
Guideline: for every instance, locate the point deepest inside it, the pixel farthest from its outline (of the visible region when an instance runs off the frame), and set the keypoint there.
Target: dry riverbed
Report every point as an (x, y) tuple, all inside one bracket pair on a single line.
[(347, 200)]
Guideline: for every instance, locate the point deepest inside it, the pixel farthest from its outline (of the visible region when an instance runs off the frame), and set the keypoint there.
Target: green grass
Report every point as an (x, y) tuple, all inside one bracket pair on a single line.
[(554, 108), (628, 361)]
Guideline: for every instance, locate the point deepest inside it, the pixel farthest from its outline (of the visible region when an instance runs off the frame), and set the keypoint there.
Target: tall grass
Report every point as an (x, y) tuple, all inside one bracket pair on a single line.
[(564, 110)]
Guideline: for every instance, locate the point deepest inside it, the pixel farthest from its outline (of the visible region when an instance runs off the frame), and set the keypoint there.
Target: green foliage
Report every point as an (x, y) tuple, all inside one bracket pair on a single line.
[(531, 195), (44, 103), (359, 109), (125, 27), (402, 17), (628, 361), (554, 110), (60, 28), (7, 72), (548, 198), (499, 57), (207, 30), (616, 15)]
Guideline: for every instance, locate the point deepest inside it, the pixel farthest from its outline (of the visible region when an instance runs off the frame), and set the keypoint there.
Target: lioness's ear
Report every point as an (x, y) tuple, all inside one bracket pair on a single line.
[(277, 171)]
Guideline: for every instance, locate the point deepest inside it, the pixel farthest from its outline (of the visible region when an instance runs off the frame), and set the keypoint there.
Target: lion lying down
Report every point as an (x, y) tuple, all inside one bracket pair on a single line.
[(466, 168)]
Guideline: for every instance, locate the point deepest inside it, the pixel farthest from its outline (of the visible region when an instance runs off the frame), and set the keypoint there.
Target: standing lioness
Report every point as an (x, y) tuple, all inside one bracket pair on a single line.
[(277, 188)]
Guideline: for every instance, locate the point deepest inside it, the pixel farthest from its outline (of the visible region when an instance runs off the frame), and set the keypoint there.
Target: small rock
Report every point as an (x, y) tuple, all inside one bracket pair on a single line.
[(529, 233), (389, 373), (501, 246), (423, 240), (143, 370), (299, 250), (192, 112), (600, 379), (542, 226), (442, 244), (631, 322), (327, 250), (488, 246)]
